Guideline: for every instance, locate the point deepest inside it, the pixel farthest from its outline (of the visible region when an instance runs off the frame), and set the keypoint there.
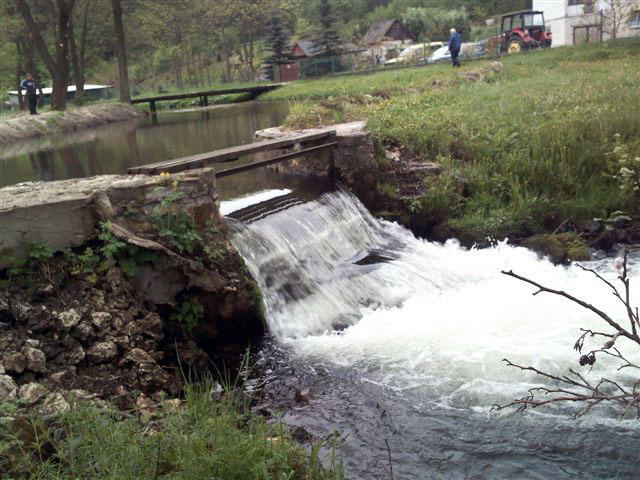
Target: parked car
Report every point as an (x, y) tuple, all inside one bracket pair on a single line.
[(440, 55), (468, 50), (415, 53)]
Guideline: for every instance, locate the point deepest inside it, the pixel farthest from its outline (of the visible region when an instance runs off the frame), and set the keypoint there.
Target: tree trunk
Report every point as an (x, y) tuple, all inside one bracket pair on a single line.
[(77, 56), (61, 78), (227, 63), (58, 68), (206, 59), (19, 73), (178, 67), (121, 52), (75, 62)]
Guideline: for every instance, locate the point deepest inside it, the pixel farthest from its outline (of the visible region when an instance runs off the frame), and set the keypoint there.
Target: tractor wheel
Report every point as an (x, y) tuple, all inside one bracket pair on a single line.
[(515, 46)]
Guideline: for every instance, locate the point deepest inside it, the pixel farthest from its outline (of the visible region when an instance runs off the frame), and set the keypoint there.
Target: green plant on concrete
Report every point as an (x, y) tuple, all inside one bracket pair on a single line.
[(173, 224), (129, 257), (87, 263), (34, 263), (189, 312), (205, 438), (257, 301)]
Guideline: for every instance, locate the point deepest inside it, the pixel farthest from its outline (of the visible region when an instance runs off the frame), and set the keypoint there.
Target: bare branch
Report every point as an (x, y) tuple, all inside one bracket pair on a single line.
[(574, 387)]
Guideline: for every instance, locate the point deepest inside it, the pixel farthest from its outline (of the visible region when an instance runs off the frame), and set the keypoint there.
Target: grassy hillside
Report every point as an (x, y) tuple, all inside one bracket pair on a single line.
[(555, 133)]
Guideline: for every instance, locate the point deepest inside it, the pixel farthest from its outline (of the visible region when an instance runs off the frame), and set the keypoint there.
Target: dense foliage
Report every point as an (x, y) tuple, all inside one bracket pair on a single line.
[(179, 44)]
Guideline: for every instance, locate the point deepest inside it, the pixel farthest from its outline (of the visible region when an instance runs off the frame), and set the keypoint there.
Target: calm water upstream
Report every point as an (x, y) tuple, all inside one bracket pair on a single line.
[(114, 148)]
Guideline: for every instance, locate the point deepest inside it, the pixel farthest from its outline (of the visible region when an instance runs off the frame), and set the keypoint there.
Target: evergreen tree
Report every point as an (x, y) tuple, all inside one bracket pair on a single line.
[(278, 42), (328, 40)]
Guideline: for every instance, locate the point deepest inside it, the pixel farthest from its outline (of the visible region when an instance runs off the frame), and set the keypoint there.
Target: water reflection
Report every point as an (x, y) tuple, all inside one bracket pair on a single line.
[(114, 148)]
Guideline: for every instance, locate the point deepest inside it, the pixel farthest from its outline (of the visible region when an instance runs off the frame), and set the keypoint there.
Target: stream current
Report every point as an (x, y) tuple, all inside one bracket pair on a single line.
[(385, 338)]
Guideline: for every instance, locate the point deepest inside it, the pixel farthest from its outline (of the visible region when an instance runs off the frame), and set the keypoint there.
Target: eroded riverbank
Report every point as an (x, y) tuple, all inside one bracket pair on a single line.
[(26, 126)]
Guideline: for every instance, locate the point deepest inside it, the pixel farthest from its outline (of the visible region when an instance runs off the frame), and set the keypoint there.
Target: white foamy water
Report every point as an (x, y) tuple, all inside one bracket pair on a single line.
[(231, 206), (434, 320)]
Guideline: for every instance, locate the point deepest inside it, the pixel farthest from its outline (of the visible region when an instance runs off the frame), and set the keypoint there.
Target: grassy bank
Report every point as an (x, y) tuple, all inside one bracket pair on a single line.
[(554, 134), (205, 438)]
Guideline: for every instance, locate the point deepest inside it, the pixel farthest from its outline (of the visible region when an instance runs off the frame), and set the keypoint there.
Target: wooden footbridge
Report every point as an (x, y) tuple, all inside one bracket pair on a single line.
[(253, 92), (320, 141)]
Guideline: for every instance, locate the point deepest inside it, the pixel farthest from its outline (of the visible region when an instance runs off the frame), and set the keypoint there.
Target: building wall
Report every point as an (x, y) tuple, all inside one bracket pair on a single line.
[(561, 18)]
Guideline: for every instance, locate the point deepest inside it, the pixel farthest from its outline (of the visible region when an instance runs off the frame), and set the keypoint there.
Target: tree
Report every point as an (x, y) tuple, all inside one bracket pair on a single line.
[(121, 52), (78, 58), (434, 23), (576, 388), (615, 15), (328, 40), (58, 67), (278, 43)]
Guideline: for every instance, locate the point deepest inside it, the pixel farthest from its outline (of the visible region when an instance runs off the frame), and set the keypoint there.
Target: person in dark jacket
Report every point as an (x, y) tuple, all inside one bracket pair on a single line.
[(30, 85), (454, 47)]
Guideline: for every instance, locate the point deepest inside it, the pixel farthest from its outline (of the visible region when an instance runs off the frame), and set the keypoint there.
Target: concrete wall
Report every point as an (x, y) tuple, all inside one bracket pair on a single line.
[(561, 18), (66, 213)]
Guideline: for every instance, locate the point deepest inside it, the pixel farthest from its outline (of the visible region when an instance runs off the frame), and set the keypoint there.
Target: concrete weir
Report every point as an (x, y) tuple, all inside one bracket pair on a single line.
[(66, 213)]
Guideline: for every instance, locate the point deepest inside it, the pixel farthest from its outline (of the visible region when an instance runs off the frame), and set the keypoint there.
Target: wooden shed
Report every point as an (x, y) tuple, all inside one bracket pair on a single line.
[(387, 30)]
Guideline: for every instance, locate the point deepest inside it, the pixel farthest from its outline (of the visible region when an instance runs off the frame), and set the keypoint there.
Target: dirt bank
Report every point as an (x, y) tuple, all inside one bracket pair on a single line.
[(27, 126)]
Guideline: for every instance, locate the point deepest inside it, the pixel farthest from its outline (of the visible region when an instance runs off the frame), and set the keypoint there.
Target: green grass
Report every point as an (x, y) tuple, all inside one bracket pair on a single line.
[(552, 132), (206, 439)]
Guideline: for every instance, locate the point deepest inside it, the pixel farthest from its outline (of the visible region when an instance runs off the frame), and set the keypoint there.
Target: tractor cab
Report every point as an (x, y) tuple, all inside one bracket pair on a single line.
[(523, 31)]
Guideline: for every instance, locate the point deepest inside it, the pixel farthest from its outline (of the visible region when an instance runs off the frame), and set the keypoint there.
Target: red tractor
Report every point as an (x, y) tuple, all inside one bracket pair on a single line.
[(523, 31)]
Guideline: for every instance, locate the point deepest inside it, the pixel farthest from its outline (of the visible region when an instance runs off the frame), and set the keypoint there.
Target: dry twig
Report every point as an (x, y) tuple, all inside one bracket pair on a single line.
[(574, 387)]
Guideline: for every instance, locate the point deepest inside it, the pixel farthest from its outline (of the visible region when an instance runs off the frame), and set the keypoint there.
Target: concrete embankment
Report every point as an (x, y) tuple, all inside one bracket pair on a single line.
[(24, 126)]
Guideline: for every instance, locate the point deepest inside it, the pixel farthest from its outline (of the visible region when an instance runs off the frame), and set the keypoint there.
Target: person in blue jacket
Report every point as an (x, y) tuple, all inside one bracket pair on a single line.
[(30, 85), (454, 47)]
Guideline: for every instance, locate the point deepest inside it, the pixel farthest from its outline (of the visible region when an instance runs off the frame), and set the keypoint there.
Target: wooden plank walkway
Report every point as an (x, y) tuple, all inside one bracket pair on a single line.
[(233, 153), (255, 91)]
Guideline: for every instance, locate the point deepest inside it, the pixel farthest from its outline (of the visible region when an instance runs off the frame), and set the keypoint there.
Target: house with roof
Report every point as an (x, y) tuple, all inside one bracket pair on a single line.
[(385, 40), (306, 49), (309, 48), (387, 31), (573, 22)]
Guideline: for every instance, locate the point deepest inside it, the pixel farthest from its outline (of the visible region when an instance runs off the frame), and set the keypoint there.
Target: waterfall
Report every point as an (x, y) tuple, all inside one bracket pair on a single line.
[(346, 287)]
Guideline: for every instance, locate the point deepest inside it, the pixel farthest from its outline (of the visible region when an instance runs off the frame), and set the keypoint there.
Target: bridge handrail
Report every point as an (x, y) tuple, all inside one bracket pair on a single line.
[(228, 91), (227, 154)]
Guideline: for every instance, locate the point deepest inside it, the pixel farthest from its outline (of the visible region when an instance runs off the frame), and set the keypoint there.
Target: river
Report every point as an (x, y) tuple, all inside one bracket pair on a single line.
[(113, 148), (385, 338), (378, 336)]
